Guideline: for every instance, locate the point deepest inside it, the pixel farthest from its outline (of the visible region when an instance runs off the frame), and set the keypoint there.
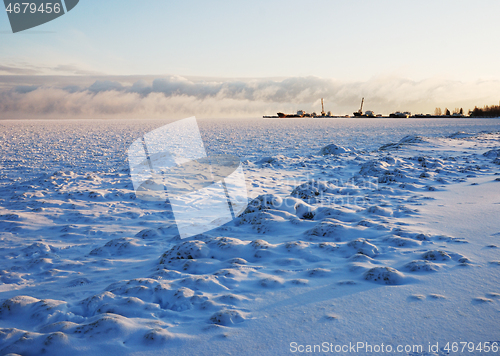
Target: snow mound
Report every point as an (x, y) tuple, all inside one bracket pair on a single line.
[(333, 150), (290, 205), (427, 162), (436, 255), (421, 266), (271, 282), (264, 202), (77, 282), (378, 210), (272, 161), (185, 250), (264, 221), (319, 272), (105, 326), (16, 304), (399, 241), (374, 168), (147, 234), (117, 247), (225, 243), (461, 134), (227, 317), (40, 310), (495, 153), (329, 229), (385, 275), (157, 336), (405, 141), (39, 249), (389, 169), (312, 189), (363, 247)]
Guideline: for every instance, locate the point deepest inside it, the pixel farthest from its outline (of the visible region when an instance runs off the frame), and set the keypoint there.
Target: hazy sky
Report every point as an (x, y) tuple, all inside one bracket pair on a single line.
[(349, 42)]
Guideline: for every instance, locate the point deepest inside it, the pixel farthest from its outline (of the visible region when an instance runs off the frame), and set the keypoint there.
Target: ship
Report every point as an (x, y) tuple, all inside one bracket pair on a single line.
[(300, 113), (303, 114), (399, 114)]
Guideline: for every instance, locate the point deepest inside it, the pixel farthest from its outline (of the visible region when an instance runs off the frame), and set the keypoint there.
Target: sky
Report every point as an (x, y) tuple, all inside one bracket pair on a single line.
[(223, 58)]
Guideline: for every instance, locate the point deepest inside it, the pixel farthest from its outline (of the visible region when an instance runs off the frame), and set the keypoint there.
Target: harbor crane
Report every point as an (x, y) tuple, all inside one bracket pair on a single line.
[(360, 111)]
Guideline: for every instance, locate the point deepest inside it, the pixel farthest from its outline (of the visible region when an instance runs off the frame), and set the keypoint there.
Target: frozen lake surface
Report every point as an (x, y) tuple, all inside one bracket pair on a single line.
[(369, 231), (29, 147)]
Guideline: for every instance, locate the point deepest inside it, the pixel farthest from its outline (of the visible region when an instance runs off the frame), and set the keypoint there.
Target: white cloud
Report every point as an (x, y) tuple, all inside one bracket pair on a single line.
[(175, 96)]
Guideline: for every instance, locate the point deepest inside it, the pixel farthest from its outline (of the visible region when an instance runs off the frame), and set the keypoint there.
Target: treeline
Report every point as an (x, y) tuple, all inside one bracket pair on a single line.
[(457, 111), (486, 111)]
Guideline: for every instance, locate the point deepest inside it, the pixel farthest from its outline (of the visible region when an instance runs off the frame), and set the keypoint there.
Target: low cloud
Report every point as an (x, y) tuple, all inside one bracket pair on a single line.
[(175, 96), (12, 70), (25, 69), (73, 70)]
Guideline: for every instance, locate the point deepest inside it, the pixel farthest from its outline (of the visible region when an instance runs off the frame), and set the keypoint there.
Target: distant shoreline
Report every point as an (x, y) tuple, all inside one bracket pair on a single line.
[(381, 117)]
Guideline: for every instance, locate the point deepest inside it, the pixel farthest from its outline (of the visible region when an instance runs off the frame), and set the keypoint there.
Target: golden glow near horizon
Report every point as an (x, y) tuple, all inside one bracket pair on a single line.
[(399, 55)]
